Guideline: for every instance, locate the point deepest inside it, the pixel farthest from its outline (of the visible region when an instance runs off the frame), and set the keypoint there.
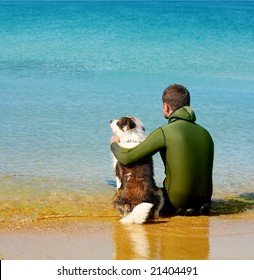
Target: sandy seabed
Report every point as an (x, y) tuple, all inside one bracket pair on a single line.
[(220, 237)]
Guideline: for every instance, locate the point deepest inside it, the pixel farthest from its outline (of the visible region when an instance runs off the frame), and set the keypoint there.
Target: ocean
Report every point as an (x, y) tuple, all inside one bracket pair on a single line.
[(67, 68)]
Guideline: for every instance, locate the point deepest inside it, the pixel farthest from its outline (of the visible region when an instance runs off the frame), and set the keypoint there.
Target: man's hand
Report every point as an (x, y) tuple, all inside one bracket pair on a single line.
[(114, 139)]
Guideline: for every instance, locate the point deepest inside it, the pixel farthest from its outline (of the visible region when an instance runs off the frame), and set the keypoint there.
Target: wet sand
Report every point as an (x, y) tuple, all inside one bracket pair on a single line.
[(218, 237)]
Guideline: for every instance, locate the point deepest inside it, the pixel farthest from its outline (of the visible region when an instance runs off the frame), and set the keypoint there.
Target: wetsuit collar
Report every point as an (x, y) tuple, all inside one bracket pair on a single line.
[(184, 113)]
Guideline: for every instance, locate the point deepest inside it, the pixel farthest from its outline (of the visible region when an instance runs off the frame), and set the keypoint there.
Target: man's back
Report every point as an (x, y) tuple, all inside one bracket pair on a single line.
[(188, 160)]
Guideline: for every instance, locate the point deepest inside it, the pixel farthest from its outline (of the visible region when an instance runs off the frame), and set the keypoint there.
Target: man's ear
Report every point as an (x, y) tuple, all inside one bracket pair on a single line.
[(166, 109)]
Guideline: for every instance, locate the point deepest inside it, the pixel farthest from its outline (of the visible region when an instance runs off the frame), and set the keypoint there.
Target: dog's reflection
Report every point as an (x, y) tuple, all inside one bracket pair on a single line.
[(131, 242), (183, 238)]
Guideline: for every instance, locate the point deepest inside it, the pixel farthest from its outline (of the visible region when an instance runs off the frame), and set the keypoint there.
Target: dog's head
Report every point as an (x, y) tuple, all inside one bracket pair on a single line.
[(126, 126)]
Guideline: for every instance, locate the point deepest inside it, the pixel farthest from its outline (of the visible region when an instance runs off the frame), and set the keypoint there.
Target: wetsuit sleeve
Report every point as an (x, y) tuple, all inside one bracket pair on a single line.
[(151, 145)]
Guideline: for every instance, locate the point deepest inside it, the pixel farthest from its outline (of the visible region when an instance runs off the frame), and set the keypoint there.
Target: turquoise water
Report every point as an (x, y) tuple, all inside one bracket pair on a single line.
[(67, 68)]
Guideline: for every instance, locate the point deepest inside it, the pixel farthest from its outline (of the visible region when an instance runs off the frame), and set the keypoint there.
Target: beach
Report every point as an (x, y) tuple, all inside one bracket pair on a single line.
[(222, 237), (58, 224)]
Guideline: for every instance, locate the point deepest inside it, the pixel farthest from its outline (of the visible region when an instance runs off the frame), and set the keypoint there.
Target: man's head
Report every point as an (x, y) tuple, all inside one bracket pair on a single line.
[(173, 98)]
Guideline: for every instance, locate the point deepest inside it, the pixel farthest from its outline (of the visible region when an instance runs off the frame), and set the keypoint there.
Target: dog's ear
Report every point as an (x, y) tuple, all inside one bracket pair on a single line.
[(135, 120), (131, 123), (120, 124)]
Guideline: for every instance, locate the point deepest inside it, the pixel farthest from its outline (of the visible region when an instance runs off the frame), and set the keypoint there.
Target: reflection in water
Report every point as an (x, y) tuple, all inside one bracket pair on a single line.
[(173, 238)]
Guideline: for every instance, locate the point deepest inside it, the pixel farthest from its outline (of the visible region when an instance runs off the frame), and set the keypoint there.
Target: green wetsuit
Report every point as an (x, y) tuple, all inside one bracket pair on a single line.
[(187, 151)]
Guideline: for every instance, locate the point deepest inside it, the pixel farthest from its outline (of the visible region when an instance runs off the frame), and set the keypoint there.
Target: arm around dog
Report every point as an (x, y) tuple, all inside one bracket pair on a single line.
[(151, 145)]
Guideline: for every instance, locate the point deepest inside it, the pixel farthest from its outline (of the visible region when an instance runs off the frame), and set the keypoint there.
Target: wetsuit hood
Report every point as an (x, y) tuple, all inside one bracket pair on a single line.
[(184, 113)]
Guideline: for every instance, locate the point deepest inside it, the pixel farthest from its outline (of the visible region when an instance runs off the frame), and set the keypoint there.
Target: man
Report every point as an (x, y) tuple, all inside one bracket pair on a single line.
[(187, 151)]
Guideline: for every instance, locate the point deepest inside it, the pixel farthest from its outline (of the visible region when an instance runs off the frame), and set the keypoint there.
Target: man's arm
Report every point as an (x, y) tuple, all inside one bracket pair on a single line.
[(151, 145)]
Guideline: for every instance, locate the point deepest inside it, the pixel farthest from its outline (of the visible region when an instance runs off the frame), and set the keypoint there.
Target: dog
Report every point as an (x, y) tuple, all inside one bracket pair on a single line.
[(137, 198)]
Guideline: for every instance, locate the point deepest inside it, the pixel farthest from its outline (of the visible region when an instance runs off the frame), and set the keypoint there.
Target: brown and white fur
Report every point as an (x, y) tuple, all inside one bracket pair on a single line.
[(137, 198)]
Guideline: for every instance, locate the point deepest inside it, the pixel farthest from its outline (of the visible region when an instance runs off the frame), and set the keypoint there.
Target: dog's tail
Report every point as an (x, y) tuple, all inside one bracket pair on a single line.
[(139, 214)]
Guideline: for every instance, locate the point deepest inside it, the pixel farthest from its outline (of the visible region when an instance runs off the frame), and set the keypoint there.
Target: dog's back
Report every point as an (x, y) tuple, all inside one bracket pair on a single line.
[(137, 186)]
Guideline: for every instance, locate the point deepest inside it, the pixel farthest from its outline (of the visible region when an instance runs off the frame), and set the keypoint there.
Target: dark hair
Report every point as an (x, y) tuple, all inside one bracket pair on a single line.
[(176, 96)]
